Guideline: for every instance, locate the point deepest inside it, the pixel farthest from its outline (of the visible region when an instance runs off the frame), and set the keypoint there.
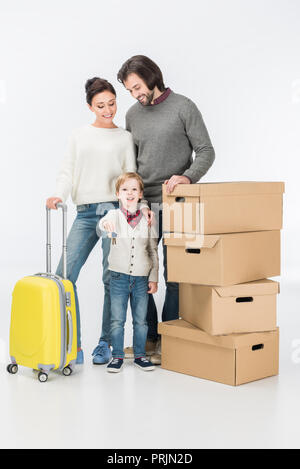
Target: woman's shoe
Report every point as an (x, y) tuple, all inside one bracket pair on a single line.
[(102, 353)]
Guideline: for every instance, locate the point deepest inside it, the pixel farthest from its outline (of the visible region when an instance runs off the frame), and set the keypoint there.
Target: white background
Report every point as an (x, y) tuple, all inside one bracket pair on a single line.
[(237, 60)]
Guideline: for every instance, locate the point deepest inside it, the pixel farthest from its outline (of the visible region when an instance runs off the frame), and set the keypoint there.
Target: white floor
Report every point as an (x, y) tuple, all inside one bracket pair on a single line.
[(161, 409)]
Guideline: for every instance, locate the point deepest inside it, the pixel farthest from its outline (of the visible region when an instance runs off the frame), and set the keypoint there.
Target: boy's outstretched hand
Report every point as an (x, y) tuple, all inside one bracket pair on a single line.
[(109, 226), (152, 287)]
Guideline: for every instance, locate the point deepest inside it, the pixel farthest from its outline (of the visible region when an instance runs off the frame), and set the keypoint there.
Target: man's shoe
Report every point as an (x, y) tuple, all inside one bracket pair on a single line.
[(150, 348), (128, 352), (156, 357), (144, 364), (115, 365), (102, 353), (80, 357)]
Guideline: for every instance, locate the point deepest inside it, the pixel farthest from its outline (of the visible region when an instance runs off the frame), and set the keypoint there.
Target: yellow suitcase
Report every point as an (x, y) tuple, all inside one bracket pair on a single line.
[(43, 332)]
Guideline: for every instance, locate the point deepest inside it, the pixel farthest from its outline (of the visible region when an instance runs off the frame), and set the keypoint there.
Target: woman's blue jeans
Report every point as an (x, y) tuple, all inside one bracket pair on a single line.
[(122, 288), (80, 242)]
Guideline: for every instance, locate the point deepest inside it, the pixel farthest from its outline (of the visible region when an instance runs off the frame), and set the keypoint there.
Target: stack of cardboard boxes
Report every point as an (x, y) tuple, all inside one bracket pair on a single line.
[(223, 242)]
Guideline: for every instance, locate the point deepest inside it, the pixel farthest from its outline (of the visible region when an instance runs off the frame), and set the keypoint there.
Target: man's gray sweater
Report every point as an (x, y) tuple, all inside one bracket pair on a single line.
[(165, 135)]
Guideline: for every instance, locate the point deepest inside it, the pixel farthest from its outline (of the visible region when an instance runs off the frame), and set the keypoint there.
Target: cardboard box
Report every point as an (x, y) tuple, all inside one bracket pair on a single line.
[(230, 207), (248, 307), (233, 359), (222, 260)]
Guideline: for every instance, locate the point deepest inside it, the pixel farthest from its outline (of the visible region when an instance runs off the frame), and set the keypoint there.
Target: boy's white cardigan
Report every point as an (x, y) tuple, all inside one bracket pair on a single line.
[(135, 250)]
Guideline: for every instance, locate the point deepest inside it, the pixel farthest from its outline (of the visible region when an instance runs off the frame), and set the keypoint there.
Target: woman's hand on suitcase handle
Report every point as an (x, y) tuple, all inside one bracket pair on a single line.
[(52, 201)]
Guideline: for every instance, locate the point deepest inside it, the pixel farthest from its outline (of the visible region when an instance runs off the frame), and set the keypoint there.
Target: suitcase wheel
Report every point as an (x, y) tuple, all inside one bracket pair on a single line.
[(43, 377), (67, 371), (12, 368)]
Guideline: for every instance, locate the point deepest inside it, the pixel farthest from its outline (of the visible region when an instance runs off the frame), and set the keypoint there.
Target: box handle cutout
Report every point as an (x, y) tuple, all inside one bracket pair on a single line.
[(179, 199), (193, 251), (244, 299), (257, 347)]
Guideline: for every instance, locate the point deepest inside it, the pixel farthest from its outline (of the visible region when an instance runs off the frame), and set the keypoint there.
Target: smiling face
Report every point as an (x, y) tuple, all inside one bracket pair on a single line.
[(139, 90), (105, 107), (129, 194)]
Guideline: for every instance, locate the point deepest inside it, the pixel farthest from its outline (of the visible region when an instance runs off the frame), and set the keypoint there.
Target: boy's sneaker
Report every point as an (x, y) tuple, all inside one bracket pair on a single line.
[(102, 353), (149, 349), (144, 364), (80, 357), (115, 365)]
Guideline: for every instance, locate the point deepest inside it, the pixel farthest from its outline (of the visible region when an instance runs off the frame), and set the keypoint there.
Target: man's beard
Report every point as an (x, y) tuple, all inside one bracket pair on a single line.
[(149, 99)]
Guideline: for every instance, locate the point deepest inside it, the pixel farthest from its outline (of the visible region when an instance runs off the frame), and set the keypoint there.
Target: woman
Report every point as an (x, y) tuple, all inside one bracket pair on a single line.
[(98, 153)]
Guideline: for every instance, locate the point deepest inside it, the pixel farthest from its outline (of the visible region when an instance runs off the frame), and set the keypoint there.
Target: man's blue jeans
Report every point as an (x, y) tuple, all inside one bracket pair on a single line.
[(171, 305), (80, 242), (122, 288)]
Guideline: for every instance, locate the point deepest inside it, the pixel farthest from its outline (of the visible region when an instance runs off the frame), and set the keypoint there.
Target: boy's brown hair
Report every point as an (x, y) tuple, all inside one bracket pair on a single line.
[(130, 175)]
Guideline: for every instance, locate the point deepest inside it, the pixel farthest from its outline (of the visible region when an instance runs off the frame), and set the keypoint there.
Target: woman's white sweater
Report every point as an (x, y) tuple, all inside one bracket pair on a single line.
[(94, 160)]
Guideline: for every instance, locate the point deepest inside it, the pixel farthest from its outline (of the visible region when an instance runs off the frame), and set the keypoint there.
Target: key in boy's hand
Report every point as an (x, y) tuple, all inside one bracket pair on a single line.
[(152, 287), (114, 237)]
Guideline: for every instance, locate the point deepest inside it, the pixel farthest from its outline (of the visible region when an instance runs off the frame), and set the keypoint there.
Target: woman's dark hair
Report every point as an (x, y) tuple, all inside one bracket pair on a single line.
[(96, 85), (145, 68)]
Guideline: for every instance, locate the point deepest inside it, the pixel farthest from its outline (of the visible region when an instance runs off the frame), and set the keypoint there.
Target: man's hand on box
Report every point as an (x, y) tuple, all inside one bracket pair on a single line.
[(174, 180)]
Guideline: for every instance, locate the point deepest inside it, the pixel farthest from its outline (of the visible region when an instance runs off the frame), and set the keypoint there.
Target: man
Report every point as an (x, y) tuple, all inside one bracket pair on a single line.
[(166, 128)]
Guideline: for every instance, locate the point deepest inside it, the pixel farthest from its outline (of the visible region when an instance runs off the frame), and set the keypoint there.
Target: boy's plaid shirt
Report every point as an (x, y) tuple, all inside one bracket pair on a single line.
[(132, 218)]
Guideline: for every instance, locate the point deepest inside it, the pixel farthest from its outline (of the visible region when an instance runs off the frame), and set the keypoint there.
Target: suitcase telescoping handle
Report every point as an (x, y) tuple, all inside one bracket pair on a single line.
[(70, 324), (64, 242)]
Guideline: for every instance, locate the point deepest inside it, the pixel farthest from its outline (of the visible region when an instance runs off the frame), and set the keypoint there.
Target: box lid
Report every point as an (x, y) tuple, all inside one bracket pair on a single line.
[(241, 188), (183, 330), (192, 240), (225, 188), (256, 288)]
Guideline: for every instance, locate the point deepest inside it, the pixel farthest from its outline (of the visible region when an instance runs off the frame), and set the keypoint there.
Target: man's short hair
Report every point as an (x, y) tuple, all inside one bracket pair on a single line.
[(145, 68)]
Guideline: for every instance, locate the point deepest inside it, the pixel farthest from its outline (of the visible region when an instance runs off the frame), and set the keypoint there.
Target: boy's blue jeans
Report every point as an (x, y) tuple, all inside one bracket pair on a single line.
[(80, 242), (122, 288)]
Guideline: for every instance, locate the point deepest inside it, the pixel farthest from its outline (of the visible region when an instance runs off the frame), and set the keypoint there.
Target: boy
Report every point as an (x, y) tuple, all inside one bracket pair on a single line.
[(133, 262)]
